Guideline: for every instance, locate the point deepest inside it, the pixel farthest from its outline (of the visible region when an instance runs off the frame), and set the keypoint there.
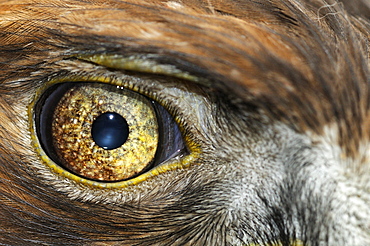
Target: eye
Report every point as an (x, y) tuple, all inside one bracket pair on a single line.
[(105, 133)]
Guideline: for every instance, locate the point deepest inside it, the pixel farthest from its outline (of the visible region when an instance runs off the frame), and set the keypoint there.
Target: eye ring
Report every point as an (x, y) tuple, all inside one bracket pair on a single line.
[(172, 164)]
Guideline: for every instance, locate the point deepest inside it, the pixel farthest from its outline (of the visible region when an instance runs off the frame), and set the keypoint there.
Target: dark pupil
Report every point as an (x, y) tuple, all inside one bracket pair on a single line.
[(110, 130)]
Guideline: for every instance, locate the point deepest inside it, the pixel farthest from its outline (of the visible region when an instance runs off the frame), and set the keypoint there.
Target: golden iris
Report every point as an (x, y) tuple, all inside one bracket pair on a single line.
[(73, 142)]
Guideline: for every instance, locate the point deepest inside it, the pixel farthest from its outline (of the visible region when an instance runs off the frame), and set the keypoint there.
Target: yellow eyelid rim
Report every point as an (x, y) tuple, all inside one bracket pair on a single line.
[(177, 163), (139, 64), (293, 243)]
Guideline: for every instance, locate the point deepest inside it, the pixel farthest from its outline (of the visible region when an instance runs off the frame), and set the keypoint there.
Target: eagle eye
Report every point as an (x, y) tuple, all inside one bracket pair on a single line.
[(104, 133)]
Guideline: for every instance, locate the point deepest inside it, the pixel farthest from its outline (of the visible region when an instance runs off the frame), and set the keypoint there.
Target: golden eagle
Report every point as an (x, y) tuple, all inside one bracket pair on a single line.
[(185, 122)]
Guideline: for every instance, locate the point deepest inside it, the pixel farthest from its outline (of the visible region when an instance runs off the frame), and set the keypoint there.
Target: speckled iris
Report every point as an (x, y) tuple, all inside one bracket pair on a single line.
[(102, 132), (110, 130)]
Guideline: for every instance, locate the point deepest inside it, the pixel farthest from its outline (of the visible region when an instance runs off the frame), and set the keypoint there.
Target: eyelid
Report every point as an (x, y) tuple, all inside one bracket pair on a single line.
[(139, 64), (175, 163)]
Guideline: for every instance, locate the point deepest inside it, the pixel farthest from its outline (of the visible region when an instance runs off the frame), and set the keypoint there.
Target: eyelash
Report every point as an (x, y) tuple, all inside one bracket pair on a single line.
[(172, 162)]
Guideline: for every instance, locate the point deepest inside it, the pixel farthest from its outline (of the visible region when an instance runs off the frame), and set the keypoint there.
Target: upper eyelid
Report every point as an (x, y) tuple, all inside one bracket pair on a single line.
[(165, 89), (140, 64), (133, 73)]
